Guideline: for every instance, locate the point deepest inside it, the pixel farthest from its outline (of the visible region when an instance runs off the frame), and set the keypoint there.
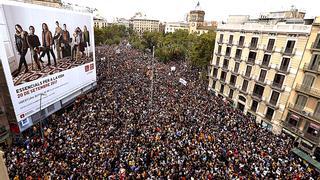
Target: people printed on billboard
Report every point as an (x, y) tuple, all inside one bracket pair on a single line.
[(60, 46)]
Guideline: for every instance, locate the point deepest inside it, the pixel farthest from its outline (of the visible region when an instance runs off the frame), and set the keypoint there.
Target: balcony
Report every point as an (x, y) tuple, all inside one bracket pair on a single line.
[(312, 69), (218, 54), (243, 91), (238, 58), (300, 111), (288, 51), (220, 41), (315, 46), (277, 86), (253, 46), (225, 68), (264, 65), (291, 127), (246, 76), (233, 85), (213, 77), (223, 81), (235, 72), (257, 96), (269, 49), (308, 90), (261, 81), (272, 104), (227, 55), (229, 43), (251, 61), (314, 139), (241, 44), (283, 69)]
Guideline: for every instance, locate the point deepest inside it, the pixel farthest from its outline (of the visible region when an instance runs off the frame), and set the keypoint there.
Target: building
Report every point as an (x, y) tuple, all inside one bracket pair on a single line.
[(100, 22), (174, 26), (302, 117), (50, 3), (140, 23), (256, 61), (122, 21), (196, 21)]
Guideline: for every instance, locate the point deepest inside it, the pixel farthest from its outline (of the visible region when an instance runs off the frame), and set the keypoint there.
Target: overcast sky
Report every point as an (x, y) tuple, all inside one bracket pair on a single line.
[(176, 10)]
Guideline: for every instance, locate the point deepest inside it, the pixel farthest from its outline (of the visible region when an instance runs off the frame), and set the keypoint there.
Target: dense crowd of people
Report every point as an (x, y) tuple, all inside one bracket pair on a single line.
[(185, 132)]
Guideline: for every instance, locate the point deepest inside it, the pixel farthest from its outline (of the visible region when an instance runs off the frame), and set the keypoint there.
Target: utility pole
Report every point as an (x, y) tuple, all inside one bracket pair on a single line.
[(41, 125)]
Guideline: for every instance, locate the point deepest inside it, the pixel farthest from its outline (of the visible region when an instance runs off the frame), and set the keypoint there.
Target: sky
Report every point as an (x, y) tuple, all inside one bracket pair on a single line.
[(176, 10)]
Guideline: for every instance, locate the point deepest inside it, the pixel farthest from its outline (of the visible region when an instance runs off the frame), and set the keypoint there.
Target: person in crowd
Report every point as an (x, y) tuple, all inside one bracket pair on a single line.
[(21, 46), (77, 48), (185, 132), (34, 44), (57, 39), (47, 43), (66, 48), (86, 39)]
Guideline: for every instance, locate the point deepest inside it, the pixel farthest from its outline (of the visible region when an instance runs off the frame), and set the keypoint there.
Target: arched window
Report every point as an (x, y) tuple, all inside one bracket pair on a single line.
[(241, 98)]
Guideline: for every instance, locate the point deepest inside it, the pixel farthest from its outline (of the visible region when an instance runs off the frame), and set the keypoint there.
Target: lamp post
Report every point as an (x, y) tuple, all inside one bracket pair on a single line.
[(152, 76)]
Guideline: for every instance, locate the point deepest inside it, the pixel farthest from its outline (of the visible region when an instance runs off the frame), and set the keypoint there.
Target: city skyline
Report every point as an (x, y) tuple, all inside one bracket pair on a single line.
[(174, 10)]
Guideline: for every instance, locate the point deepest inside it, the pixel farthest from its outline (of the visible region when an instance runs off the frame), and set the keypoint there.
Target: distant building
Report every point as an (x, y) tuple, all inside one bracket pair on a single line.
[(50, 3), (174, 26), (196, 21), (122, 21), (100, 22), (141, 23)]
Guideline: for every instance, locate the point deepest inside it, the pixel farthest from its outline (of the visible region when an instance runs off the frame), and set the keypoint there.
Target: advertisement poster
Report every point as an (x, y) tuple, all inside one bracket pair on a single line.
[(48, 53)]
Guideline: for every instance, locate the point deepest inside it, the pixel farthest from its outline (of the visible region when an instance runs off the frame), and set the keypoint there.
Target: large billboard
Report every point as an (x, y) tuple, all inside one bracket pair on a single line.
[(47, 54)]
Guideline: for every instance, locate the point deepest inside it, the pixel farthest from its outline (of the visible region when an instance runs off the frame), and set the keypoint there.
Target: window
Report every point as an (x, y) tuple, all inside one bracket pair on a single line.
[(254, 105), (274, 98), (284, 64), (219, 49), (270, 44), (315, 61), (252, 56), (317, 111), (258, 91), (221, 88), (289, 47), (269, 113), (308, 81), (278, 80), (241, 98), (230, 39), (244, 85), (241, 40), (266, 60), (293, 122), (313, 129), (213, 84), (218, 61), (236, 67), (238, 53), (233, 79), (223, 76), (221, 38), (254, 42), (225, 63), (231, 93), (263, 74), (228, 51), (317, 42), (248, 71), (301, 102), (215, 72)]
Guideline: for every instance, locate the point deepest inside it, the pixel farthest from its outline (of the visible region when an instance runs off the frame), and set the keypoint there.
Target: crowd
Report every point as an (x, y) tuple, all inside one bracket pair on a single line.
[(185, 132)]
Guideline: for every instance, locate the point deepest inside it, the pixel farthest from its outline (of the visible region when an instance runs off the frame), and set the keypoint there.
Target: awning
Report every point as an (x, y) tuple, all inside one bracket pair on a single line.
[(306, 157)]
